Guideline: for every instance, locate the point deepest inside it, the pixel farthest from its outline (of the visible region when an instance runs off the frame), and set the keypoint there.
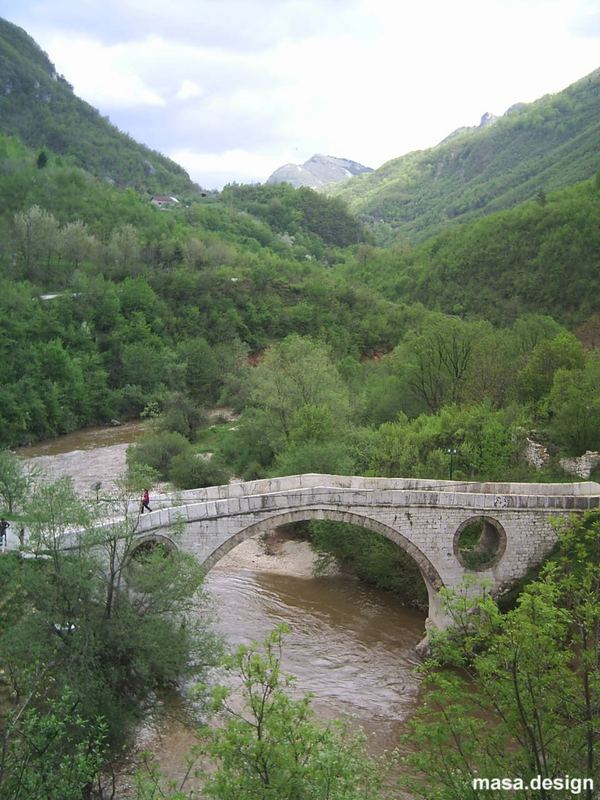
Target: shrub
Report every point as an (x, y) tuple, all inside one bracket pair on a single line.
[(189, 470), (157, 450)]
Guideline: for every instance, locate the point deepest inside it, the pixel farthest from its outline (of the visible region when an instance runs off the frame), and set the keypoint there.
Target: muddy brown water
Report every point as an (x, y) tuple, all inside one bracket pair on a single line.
[(94, 455), (352, 645), (349, 644)]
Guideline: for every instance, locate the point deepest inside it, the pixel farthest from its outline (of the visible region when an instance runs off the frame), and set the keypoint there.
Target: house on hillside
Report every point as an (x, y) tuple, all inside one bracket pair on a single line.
[(164, 201)]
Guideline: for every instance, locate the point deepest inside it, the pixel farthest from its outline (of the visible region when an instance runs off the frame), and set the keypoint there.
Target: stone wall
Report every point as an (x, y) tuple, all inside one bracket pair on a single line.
[(536, 454)]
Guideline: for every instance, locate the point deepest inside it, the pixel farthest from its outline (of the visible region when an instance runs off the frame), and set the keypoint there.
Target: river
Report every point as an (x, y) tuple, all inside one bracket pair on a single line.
[(351, 645), (91, 456)]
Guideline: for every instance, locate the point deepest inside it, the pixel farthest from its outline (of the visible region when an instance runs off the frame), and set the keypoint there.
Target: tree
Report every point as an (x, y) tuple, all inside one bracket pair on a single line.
[(297, 372), (249, 448), (313, 423), (574, 408), (533, 674), (180, 415), (563, 351), (189, 470), (105, 622), (142, 363), (201, 369), (195, 253), (16, 483), (274, 748), (124, 249), (441, 357), (326, 457), (37, 240), (156, 451), (529, 330), (53, 754), (232, 357), (75, 243), (491, 372)]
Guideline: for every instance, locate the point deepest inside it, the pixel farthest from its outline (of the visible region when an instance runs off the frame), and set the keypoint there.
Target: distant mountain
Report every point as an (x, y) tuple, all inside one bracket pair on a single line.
[(318, 171), (39, 107), (546, 145)]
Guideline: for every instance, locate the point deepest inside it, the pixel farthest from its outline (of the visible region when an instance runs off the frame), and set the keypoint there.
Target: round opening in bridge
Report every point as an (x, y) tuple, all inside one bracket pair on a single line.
[(479, 543), (151, 548)]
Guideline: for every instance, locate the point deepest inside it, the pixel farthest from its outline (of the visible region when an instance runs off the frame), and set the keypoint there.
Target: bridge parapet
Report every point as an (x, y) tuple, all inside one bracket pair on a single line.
[(579, 496)]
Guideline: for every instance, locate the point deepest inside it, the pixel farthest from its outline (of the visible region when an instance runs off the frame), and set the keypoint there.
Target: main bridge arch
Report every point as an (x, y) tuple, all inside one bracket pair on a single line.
[(426, 568), (431, 577)]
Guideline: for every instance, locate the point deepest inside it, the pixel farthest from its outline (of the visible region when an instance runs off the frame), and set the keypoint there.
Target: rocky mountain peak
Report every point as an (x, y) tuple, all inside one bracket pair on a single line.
[(487, 119), (318, 171)]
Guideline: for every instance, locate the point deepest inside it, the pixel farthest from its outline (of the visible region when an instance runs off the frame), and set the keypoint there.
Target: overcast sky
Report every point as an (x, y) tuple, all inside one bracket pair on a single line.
[(232, 89)]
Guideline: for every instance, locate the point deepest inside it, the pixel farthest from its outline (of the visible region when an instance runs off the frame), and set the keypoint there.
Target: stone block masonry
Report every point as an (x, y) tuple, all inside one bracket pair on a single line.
[(422, 517)]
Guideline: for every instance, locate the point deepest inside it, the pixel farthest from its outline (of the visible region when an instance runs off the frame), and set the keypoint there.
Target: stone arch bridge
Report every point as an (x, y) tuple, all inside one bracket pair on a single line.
[(424, 518)]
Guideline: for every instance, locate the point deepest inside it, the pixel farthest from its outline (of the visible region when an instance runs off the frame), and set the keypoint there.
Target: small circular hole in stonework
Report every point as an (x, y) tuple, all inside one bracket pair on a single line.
[(479, 543)]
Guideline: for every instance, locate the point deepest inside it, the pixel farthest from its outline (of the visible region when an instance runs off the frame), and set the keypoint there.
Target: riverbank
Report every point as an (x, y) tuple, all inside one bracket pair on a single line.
[(276, 552)]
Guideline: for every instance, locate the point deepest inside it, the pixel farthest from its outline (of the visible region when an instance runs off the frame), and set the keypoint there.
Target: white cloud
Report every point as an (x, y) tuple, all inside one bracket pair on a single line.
[(214, 170), (365, 79), (189, 90), (102, 75)]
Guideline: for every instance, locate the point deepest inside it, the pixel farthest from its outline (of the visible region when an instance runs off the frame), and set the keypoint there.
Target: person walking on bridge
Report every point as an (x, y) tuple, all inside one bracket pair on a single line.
[(145, 504), (4, 526)]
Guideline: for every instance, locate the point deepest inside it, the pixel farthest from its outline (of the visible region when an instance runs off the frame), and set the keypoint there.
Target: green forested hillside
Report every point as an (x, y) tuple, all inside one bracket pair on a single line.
[(144, 296), (160, 311), (39, 107), (541, 256), (297, 212), (549, 144)]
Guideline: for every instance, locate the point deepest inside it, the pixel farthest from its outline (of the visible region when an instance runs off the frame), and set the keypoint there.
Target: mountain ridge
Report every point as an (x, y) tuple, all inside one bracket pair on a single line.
[(38, 105), (541, 146)]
